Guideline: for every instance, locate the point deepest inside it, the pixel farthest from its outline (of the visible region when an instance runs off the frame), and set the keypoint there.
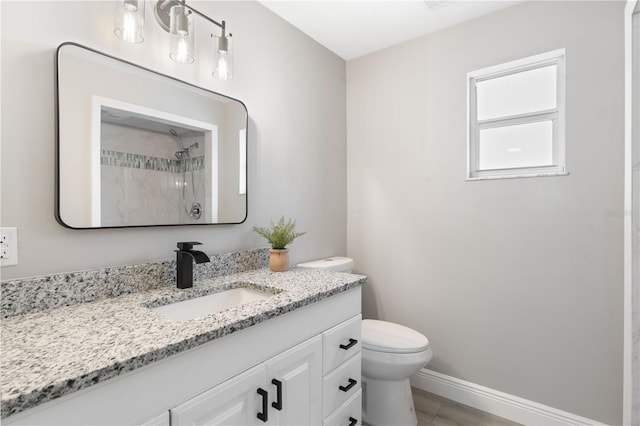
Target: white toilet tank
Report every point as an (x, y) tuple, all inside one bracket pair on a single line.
[(335, 263)]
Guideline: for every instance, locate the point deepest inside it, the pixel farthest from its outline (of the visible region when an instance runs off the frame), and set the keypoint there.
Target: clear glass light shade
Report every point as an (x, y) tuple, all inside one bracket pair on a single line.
[(223, 57), (129, 20), (181, 31)]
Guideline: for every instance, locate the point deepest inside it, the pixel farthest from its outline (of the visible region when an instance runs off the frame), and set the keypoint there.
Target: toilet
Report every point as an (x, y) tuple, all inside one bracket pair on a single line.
[(391, 353)]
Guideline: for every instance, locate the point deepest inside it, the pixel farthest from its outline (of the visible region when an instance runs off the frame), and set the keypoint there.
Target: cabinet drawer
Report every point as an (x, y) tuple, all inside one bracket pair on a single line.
[(232, 402), (161, 420), (341, 384), (340, 343), (349, 414)]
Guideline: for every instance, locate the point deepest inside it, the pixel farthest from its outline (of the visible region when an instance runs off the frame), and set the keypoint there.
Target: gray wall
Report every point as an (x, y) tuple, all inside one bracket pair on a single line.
[(294, 90), (517, 283)]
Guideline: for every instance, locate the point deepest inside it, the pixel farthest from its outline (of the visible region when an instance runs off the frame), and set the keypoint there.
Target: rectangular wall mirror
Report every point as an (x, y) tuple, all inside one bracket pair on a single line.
[(138, 148)]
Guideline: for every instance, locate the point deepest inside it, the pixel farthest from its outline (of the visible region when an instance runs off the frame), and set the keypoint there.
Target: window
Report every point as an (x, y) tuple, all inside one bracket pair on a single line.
[(516, 118)]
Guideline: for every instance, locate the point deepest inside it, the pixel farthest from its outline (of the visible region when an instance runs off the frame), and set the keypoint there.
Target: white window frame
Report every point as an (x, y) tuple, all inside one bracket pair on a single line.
[(557, 117)]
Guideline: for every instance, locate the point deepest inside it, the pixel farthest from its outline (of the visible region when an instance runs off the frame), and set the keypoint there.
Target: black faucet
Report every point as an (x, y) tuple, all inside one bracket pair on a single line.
[(184, 259)]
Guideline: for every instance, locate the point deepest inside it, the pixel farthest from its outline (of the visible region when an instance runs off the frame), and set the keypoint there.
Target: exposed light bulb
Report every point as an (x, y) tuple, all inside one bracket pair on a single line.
[(223, 67), (182, 54), (129, 28)]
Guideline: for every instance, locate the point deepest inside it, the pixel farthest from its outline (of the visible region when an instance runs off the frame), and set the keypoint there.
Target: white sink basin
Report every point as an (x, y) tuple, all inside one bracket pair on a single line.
[(205, 305)]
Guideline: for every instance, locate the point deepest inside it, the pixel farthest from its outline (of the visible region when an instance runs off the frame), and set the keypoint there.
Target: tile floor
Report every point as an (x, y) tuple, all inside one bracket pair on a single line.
[(434, 410)]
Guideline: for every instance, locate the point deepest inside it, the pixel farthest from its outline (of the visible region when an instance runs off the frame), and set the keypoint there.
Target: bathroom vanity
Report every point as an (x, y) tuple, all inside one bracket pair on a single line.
[(290, 358)]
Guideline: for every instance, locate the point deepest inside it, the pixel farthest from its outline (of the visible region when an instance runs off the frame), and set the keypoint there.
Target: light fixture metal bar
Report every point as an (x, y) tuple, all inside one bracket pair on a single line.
[(162, 7), (202, 15)]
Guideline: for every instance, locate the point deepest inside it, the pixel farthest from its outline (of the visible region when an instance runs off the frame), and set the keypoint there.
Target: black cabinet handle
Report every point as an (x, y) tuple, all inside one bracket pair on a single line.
[(352, 421), (348, 346), (264, 416), (277, 404), (352, 383)]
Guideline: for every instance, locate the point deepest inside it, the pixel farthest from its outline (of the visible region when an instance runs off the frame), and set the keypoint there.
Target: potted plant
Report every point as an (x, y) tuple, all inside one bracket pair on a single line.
[(279, 234)]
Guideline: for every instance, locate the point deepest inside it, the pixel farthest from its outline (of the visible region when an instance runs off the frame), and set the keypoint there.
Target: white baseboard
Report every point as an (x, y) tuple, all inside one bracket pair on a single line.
[(495, 402)]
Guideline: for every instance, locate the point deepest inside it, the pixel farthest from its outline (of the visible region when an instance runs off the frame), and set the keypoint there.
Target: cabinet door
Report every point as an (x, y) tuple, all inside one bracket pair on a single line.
[(295, 385), (234, 402)]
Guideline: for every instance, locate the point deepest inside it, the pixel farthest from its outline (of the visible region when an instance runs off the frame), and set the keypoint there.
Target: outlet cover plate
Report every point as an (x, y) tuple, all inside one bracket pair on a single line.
[(8, 246)]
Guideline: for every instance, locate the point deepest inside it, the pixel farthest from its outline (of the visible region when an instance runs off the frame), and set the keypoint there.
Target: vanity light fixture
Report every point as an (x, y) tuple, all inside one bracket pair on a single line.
[(176, 17), (129, 20)]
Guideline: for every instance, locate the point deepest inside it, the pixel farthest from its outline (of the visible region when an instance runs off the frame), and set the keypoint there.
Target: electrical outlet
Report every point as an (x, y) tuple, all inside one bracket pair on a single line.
[(8, 246)]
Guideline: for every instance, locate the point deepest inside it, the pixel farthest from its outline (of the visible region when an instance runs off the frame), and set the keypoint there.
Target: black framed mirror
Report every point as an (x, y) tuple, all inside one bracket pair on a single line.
[(137, 148)]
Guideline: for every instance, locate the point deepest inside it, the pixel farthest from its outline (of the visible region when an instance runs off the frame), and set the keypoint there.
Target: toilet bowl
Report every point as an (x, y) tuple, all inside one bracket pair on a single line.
[(391, 353)]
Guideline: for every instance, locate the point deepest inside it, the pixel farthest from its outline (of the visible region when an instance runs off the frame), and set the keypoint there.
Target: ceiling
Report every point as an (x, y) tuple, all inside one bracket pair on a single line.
[(352, 28)]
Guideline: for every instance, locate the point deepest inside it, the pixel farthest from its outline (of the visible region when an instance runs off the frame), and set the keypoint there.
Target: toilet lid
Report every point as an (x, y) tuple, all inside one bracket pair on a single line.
[(383, 336), (335, 263)]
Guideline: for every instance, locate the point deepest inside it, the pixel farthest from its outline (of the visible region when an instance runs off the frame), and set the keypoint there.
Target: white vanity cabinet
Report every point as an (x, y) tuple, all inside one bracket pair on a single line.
[(316, 382), (285, 390), (217, 382)]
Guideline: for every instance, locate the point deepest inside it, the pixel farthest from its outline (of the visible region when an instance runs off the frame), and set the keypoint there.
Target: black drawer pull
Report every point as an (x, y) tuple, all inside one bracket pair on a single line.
[(352, 383), (352, 421), (277, 404), (348, 346), (264, 416)]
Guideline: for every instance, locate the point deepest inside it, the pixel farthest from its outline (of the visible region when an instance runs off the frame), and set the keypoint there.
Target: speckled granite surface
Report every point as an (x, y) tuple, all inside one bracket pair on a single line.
[(52, 353), (54, 291)]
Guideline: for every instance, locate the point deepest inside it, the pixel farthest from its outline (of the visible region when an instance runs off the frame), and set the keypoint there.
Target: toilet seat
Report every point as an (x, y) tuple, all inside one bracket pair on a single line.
[(388, 337)]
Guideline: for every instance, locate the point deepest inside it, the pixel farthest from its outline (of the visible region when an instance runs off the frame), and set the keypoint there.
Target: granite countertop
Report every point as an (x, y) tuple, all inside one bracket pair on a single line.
[(52, 353)]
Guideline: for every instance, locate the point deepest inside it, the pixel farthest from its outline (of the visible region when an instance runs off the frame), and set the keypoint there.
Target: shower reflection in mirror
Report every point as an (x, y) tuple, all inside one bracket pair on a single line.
[(188, 165), (147, 162)]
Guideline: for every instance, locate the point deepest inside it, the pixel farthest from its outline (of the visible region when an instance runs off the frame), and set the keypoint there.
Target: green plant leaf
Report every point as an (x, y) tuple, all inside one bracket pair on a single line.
[(280, 233)]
